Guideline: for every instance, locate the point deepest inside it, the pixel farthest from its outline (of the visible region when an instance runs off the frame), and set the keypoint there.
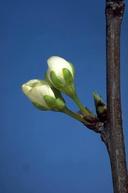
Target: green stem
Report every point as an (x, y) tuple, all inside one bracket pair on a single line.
[(80, 105), (73, 115)]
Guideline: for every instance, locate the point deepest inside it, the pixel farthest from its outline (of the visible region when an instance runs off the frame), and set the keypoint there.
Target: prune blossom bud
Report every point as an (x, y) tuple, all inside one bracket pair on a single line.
[(61, 74), (43, 96)]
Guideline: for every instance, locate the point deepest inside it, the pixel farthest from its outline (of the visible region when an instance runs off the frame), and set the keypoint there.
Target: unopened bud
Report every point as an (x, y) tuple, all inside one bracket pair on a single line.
[(101, 108)]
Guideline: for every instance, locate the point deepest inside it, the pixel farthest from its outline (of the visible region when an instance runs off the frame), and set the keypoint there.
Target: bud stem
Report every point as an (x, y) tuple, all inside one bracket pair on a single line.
[(73, 115), (80, 105)]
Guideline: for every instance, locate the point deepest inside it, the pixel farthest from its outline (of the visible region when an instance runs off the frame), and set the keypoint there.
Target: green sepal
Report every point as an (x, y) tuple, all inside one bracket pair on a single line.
[(60, 104), (57, 93), (40, 107), (51, 101), (56, 81), (70, 90), (61, 86), (55, 90), (67, 76)]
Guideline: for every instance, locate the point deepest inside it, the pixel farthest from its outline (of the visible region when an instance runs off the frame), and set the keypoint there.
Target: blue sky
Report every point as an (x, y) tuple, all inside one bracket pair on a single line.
[(47, 152)]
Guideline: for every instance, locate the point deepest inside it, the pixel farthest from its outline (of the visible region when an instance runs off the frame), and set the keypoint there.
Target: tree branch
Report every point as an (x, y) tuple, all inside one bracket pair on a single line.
[(113, 135)]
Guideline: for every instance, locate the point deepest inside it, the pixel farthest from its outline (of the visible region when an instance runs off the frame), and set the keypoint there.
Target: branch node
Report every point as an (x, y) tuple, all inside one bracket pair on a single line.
[(115, 9)]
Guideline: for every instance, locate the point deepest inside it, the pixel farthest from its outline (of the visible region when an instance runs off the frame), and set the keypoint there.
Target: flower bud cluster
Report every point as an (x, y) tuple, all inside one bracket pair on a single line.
[(46, 94)]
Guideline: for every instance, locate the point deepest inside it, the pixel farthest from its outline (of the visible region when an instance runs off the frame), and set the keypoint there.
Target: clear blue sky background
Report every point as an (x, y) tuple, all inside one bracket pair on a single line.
[(47, 152)]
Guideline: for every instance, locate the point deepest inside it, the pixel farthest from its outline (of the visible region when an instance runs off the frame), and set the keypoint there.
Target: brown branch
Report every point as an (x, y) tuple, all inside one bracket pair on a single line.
[(113, 135)]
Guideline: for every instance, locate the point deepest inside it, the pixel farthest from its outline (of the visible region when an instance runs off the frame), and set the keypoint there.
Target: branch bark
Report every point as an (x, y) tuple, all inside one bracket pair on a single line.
[(113, 134)]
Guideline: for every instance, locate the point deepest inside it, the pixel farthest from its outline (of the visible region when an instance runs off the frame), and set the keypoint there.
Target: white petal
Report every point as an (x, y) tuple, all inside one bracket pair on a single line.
[(26, 88), (38, 91), (28, 85), (36, 96), (45, 90), (33, 82), (56, 64)]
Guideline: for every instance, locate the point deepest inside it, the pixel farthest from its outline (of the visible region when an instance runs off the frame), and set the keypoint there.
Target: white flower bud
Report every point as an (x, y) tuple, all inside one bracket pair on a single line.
[(61, 74), (41, 94)]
